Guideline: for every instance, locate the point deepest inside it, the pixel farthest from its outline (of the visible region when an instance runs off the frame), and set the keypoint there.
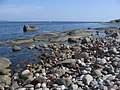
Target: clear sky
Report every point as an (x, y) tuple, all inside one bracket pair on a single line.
[(60, 10)]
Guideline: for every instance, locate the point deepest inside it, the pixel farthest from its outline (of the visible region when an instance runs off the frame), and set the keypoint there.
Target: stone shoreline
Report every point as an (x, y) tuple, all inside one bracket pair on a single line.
[(89, 64)]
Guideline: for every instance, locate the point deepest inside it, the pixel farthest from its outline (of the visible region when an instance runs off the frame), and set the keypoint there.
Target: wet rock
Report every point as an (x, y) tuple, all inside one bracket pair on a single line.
[(88, 28), (31, 47), (4, 63), (29, 28), (2, 43), (21, 41), (16, 48), (87, 79), (72, 40), (5, 72), (5, 79), (37, 47), (43, 37), (63, 36)]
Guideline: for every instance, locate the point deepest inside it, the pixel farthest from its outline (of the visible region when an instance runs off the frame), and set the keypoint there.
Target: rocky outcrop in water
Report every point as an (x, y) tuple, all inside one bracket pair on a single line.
[(29, 28), (63, 36), (54, 37), (21, 41), (16, 48)]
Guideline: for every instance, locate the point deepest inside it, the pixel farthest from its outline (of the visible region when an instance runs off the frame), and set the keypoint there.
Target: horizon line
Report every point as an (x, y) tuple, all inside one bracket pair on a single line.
[(46, 21)]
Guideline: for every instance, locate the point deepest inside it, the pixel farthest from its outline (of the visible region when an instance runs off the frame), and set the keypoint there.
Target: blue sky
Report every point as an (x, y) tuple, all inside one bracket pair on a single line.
[(59, 10)]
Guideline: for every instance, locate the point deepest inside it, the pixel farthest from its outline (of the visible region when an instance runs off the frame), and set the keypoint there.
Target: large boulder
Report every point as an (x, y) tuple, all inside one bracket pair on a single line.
[(5, 72), (29, 28), (4, 63), (4, 79)]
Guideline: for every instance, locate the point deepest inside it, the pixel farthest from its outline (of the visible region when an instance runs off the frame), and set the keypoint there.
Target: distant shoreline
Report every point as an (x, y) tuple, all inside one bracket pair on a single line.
[(56, 21)]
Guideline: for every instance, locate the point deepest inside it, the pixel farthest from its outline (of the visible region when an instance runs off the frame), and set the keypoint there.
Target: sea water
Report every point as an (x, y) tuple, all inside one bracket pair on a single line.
[(14, 30)]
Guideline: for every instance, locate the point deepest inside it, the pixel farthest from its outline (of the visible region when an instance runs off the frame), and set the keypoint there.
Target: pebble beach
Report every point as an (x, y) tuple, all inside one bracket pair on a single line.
[(87, 64)]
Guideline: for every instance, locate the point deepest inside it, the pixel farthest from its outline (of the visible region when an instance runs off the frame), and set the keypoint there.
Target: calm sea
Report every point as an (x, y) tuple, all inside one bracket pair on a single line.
[(14, 30)]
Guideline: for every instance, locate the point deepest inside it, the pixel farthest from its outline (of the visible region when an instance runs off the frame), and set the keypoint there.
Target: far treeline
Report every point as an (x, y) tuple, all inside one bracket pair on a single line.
[(115, 21)]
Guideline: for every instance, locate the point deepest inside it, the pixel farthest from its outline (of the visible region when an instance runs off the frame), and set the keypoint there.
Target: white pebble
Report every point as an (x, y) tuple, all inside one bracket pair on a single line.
[(62, 87), (43, 85)]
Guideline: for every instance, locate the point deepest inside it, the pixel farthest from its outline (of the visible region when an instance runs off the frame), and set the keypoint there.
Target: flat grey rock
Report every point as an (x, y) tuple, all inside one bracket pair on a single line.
[(4, 63)]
